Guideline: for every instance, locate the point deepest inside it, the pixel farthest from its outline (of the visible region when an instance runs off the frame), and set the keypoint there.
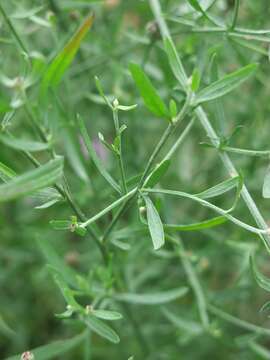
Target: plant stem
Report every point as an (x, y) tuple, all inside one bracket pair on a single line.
[(152, 158), (120, 155), (108, 208), (13, 31), (193, 280), (155, 6), (179, 140)]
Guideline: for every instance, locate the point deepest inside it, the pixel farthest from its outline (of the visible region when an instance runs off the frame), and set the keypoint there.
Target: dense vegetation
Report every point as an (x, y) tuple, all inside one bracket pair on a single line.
[(135, 186)]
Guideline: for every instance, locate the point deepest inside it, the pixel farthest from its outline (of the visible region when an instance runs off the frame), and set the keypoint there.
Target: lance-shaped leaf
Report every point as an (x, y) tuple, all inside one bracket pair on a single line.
[(153, 299), (94, 156), (262, 280), (157, 174), (196, 226), (226, 84), (154, 224), (54, 349), (32, 181), (6, 173), (152, 100), (106, 314), (21, 144), (220, 188), (62, 61), (102, 329), (175, 62)]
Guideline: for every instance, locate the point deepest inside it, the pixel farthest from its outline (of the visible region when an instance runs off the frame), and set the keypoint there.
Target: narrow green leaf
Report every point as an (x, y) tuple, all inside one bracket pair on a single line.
[(102, 329), (157, 174), (95, 158), (154, 224), (5, 329), (226, 84), (6, 173), (259, 350), (152, 299), (195, 80), (106, 314), (62, 61), (196, 5), (266, 184), (173, 108), (32, 181), (197, 226), (57, 262), (212, 206), (261, 279), (20, 144), (189, 326), (220, 188), (151, 98), (67, 293), (53, 350), (101, 92), (175, 62)]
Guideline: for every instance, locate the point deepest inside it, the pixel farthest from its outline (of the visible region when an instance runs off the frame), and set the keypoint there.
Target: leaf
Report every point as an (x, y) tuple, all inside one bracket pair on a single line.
[(62, 61), (220, 188), (213, 207), (154, 224), (196, 5), (95, 158), (20, 144), (6, 173), (259, 350), (261, 279), (5, 329), (151, 98), (173, 108), (226, 84), (54, 349), (152, 299), (266, 184), (67, 293), (175, 62), (102, 329), (157, 174), (106, 314), (197, 226), (57, 262), (189, 326), (195, 80), (32, 181)]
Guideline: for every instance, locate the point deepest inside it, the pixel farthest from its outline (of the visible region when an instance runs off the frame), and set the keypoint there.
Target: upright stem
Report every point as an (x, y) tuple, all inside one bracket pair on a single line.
[(120, 155), (200, 113), (149, 164), (13, 30)]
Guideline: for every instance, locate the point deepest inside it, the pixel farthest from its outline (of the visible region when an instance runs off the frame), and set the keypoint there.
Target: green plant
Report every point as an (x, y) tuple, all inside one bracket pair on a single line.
[(150, 266)]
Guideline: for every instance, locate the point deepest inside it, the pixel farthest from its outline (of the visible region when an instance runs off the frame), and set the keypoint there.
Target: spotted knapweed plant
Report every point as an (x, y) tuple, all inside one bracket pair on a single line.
[(134, 161)]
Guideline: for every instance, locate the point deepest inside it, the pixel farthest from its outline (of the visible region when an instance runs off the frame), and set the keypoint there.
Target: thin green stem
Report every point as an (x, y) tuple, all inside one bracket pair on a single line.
[(120, 154), (180, 140), (193, 280), (238, 322), (108, 208), (200, 113), (13, 31), (150, 162)]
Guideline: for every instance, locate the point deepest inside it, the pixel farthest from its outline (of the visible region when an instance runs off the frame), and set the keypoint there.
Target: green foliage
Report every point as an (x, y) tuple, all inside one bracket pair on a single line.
[(144, 243)]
